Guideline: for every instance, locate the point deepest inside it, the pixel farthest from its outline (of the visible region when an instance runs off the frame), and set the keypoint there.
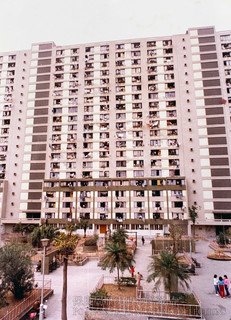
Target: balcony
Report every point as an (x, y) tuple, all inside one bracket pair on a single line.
[(104, 154), (120, 217)]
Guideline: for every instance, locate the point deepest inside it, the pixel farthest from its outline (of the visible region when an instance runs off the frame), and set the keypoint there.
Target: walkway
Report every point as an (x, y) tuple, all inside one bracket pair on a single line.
[(82, 280), (214, 308)]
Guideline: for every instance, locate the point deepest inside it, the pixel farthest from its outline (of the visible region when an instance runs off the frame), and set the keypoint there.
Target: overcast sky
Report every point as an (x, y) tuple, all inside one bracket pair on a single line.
[(23, 22)]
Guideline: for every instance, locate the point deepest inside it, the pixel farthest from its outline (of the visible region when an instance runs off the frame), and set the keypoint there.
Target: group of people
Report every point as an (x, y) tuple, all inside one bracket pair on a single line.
[(221, 286)]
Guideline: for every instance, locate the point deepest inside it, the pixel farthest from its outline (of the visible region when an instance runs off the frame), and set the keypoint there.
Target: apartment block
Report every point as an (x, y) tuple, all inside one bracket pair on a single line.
[(129, 132)]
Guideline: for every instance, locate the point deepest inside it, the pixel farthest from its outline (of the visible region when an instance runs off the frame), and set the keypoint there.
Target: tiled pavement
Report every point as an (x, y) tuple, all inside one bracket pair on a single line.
[(83, 279)]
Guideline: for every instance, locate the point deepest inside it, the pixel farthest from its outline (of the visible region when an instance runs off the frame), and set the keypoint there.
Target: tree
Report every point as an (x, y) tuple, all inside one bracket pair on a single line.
[(176, 233), (23, 229), (84, 224), (42, 232), (66, 243), (167, 268), (193, 214), (222, 238), (116, 256), (16, 270), (120, 236), (3, 292)]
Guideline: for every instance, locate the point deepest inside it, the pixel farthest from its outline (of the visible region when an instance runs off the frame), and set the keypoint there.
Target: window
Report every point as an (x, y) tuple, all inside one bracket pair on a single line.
[(121, 174), (120, 144), (104, 164), (135, 45), (151, 44), (104, 56), (136, 70), (135, 53), (119, 46), (119, 54), (89, 49), (120, 63), (121, 163), (138, 153), (120, 154), (138, 163), (167, 43), (136, 96), (104, 72), (104, 64), (120, 71), (138, 173), (104, 48)]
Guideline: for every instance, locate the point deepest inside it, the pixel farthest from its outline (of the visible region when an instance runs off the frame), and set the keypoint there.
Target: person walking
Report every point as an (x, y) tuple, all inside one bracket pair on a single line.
[(143, 240), (227, 284), (221, 287), (132, 271), (215, 283)]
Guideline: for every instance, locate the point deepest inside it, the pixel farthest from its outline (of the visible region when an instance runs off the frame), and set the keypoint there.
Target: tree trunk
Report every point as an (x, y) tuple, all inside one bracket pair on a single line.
[(118, 277), (85, 232), (64, 295), (193, 231), (174, 283)]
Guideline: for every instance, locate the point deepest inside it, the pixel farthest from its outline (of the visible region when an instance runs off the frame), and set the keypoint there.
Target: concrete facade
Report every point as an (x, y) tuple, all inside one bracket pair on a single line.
[(123, 130)]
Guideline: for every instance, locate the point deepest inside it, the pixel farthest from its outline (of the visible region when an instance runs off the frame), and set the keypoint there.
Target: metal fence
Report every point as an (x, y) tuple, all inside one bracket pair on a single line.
[(146, 302), (158, 295), (132, 305), (26, 304)]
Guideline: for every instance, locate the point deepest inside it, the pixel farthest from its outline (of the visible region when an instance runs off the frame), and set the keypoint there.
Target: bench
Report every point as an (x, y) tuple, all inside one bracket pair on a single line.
[(126, 281)]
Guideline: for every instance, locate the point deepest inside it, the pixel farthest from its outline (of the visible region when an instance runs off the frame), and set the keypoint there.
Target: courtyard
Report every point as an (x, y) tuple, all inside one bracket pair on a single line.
[(83, 279)]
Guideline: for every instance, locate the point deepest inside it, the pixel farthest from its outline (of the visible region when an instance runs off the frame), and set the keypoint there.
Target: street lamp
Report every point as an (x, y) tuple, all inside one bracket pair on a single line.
[(44, 245)]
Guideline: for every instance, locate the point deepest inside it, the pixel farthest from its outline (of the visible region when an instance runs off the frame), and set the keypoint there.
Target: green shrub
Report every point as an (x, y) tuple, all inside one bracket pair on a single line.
[(98, 299), (181, 297)]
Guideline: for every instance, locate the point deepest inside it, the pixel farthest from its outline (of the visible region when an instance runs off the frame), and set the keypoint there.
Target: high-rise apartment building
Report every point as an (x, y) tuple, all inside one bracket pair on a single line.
[(126, 132)]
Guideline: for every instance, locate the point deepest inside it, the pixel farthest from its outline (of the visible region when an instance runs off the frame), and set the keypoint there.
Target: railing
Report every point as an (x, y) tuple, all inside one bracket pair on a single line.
[(24, 306), (154, 295), (164, 296), (132, 305), (99, 283), (146, 302)]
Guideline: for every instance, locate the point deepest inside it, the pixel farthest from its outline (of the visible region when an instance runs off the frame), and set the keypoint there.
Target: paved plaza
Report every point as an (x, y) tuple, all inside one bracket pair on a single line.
[(83, 279)]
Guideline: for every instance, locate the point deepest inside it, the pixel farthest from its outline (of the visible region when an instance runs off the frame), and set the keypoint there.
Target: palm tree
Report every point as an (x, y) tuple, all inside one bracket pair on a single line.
[(116, 256), (43, 232), (193, 214), (120, 236), (66, 243), (167, 268)]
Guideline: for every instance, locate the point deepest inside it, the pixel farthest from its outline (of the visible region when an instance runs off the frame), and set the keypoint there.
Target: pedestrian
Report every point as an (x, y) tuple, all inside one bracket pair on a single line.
[(139, 278), (215, 282), (143, 240), (39, 265), (221, 287), (132, 270), (227, 284), (32, 315)]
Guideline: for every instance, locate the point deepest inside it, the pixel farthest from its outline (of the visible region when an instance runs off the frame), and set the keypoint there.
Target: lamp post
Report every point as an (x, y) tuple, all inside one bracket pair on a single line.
[(44, 245)]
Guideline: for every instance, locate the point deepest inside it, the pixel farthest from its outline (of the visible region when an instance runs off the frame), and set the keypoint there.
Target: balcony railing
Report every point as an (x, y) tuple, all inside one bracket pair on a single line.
[(23, 307)]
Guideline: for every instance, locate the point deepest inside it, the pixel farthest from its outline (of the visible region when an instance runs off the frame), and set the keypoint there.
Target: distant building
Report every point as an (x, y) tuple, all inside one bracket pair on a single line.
[(128, 132)]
